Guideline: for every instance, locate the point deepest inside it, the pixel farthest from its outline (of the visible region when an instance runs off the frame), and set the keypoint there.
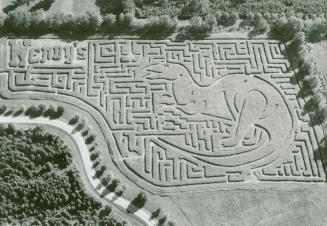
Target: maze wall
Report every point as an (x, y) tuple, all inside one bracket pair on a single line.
[(179, 113)]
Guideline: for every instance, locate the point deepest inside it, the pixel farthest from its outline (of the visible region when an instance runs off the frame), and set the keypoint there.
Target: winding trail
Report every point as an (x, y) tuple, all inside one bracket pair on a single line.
[(142, 215)]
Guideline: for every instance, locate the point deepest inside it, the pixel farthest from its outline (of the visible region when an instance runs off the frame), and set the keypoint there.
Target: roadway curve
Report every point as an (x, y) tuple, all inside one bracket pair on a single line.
[(142, 215)]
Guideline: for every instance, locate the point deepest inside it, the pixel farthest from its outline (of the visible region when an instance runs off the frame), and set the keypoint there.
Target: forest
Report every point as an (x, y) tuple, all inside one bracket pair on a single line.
[(39, 184)]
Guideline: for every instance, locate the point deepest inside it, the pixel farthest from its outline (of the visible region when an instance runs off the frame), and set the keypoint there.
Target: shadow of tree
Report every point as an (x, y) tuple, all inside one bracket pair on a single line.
[(321, 153)]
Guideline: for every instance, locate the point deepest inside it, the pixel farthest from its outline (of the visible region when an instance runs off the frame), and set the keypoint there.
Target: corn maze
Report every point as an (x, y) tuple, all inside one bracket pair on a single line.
[(178, 113)]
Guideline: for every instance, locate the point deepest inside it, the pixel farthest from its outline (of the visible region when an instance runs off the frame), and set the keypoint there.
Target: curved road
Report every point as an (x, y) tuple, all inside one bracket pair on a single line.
[(142, 215)]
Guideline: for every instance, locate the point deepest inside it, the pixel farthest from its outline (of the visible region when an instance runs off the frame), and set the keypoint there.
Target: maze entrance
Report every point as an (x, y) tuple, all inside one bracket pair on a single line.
[(179, 113)]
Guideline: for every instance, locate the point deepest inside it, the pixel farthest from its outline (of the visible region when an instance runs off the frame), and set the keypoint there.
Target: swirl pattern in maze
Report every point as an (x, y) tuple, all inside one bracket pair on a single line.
[(180, 113)]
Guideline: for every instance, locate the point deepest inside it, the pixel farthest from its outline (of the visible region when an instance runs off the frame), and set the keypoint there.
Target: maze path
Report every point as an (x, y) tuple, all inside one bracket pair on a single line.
[(181, 113)]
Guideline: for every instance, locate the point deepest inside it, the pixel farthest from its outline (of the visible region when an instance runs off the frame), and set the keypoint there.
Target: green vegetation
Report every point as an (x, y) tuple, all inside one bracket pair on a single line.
[(40, 185), (293, 33), (41, 110), (123, 17)]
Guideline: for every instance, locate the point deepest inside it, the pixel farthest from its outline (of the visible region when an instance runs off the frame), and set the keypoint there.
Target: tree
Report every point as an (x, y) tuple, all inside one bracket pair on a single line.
[(156, 213), (227, 19), (116, 6), (313, 103), (319, 116), (140, 200), (295, 50), (260, 24), (197, 25), (195, 8), (74, 120), (305, 69), (210, 21), (308, 86), (87, 24), (108, 23), (58, 113), (285, 29), (44, 187), (158, 27), (317, 32), (163, 219)]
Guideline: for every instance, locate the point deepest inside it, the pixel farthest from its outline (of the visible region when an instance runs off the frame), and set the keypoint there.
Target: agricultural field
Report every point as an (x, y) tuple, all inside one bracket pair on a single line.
[(165, 113), (181, 120)]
